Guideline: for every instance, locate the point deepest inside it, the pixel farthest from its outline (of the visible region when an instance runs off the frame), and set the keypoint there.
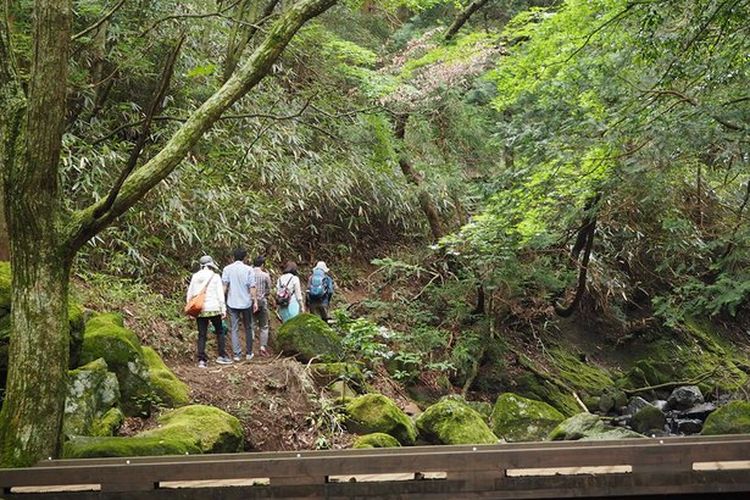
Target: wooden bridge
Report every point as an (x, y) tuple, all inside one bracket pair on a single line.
[(718, 465)]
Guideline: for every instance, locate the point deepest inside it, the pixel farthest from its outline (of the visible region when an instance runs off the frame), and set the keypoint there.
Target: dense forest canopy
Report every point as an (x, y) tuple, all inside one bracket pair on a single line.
[(545, 158)]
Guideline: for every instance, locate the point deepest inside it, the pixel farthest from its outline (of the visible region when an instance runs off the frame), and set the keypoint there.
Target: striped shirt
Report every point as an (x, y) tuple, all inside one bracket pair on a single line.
[(262, 283)]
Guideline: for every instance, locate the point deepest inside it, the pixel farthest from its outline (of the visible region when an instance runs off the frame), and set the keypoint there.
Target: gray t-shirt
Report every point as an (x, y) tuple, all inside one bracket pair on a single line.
[(240, 278)]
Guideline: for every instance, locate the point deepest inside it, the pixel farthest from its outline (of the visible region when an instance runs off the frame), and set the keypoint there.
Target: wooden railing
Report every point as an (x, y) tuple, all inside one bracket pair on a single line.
[(718, 464)]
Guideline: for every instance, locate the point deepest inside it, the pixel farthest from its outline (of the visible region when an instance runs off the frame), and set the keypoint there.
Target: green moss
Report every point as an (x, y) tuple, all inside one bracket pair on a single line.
[(91, 391), (210, 429), (482, 407), (5, 281), (170, 390), (341, 390), (108, 424), (515, 418), (376, 440), (77, 328), (533, 386), (648, 419), (377, 413), (454, 422), (106, 338), (93, 447), (307, 336), (588, 379), (696, 354), (588, 427), (732, 418)]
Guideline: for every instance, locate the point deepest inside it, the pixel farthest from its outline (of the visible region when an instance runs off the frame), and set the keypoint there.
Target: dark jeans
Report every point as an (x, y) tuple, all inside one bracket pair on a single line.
[(203, 332), (319, 308), (234, 325)]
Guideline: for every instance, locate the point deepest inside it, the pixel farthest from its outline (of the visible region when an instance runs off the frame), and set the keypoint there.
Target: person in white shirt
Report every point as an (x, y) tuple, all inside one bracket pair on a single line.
[(288, 286), (239, 286), (214, 308)]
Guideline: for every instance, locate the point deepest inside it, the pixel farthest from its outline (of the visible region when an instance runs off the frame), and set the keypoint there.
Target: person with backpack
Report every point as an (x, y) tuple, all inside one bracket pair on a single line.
[(319, 290), (260, 317), (213, 308), (289, 293)]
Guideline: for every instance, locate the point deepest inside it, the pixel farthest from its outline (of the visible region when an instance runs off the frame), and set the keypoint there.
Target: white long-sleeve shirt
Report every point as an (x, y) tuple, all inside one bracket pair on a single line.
[(214, 301)]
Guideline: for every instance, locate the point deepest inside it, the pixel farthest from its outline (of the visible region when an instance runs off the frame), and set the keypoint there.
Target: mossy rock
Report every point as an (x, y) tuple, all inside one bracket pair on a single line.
[(307, 336), (94, 447), (588, 379), (327, 373), (208, 428), (454, 422), (108, 424), (107, 338), (732, 418), (588, 427), (690, 354), (172, 391), (515, 418), (340, 390), (377, 413), (648, 419), (482, 407), (376, 440), (91, 392)]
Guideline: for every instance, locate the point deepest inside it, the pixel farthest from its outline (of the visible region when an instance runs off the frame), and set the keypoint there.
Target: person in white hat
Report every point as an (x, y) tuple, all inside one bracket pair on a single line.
[(319, 290), (214, 308)]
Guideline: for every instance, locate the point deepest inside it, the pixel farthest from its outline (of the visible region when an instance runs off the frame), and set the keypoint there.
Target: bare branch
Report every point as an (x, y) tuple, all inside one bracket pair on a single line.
[(190, 16), (463, 17), (102, 20)]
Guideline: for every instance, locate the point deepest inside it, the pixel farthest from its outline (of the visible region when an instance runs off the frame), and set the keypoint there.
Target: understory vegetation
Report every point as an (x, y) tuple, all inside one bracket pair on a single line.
[(552, 200)]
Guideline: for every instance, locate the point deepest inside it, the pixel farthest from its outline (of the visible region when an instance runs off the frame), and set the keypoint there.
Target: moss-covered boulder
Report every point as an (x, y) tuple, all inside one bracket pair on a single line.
[(210, 429), (588, 427), (95, 447), (482, 407), (307, 336), (327, 373), (702, 351), (340, 390), (107, 338), (732, 418), (515, 418), (453, 422), (91, 392), (376, 440), (648, 419), (172, 391), (377, 413), (108, 424)]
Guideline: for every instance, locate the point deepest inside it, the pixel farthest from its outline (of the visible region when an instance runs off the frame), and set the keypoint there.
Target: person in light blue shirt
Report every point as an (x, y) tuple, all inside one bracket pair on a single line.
[(239, 286)]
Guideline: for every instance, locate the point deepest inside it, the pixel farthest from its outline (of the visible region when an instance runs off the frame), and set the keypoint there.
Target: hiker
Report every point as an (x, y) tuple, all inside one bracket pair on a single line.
[(239, 286), (260, 316), (289, 293), (319, 290), (213, 310)]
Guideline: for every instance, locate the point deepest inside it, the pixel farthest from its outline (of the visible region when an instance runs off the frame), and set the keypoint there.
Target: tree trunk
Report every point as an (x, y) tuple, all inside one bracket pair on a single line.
[(44, 239), (425, 199), (4, 236), (463, 17)]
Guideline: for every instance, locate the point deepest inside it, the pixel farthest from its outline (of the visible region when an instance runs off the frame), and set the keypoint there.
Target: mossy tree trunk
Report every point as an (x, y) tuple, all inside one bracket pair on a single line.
[(44, 237)]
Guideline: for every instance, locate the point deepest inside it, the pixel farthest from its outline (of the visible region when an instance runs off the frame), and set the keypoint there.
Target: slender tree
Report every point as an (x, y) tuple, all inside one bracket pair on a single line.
[(44, 237)]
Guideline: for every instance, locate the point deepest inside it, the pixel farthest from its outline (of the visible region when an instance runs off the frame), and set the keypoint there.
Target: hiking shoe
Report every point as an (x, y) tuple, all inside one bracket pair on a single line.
[(263, 351), (249, 356), (223, 360), (201, 364), (237, 358)]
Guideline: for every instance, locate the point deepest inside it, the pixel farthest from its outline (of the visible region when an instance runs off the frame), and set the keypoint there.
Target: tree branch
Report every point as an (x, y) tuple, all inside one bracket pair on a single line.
[(463, 17), (84, 224), (102, 20), (190, 16), (154, 107)]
